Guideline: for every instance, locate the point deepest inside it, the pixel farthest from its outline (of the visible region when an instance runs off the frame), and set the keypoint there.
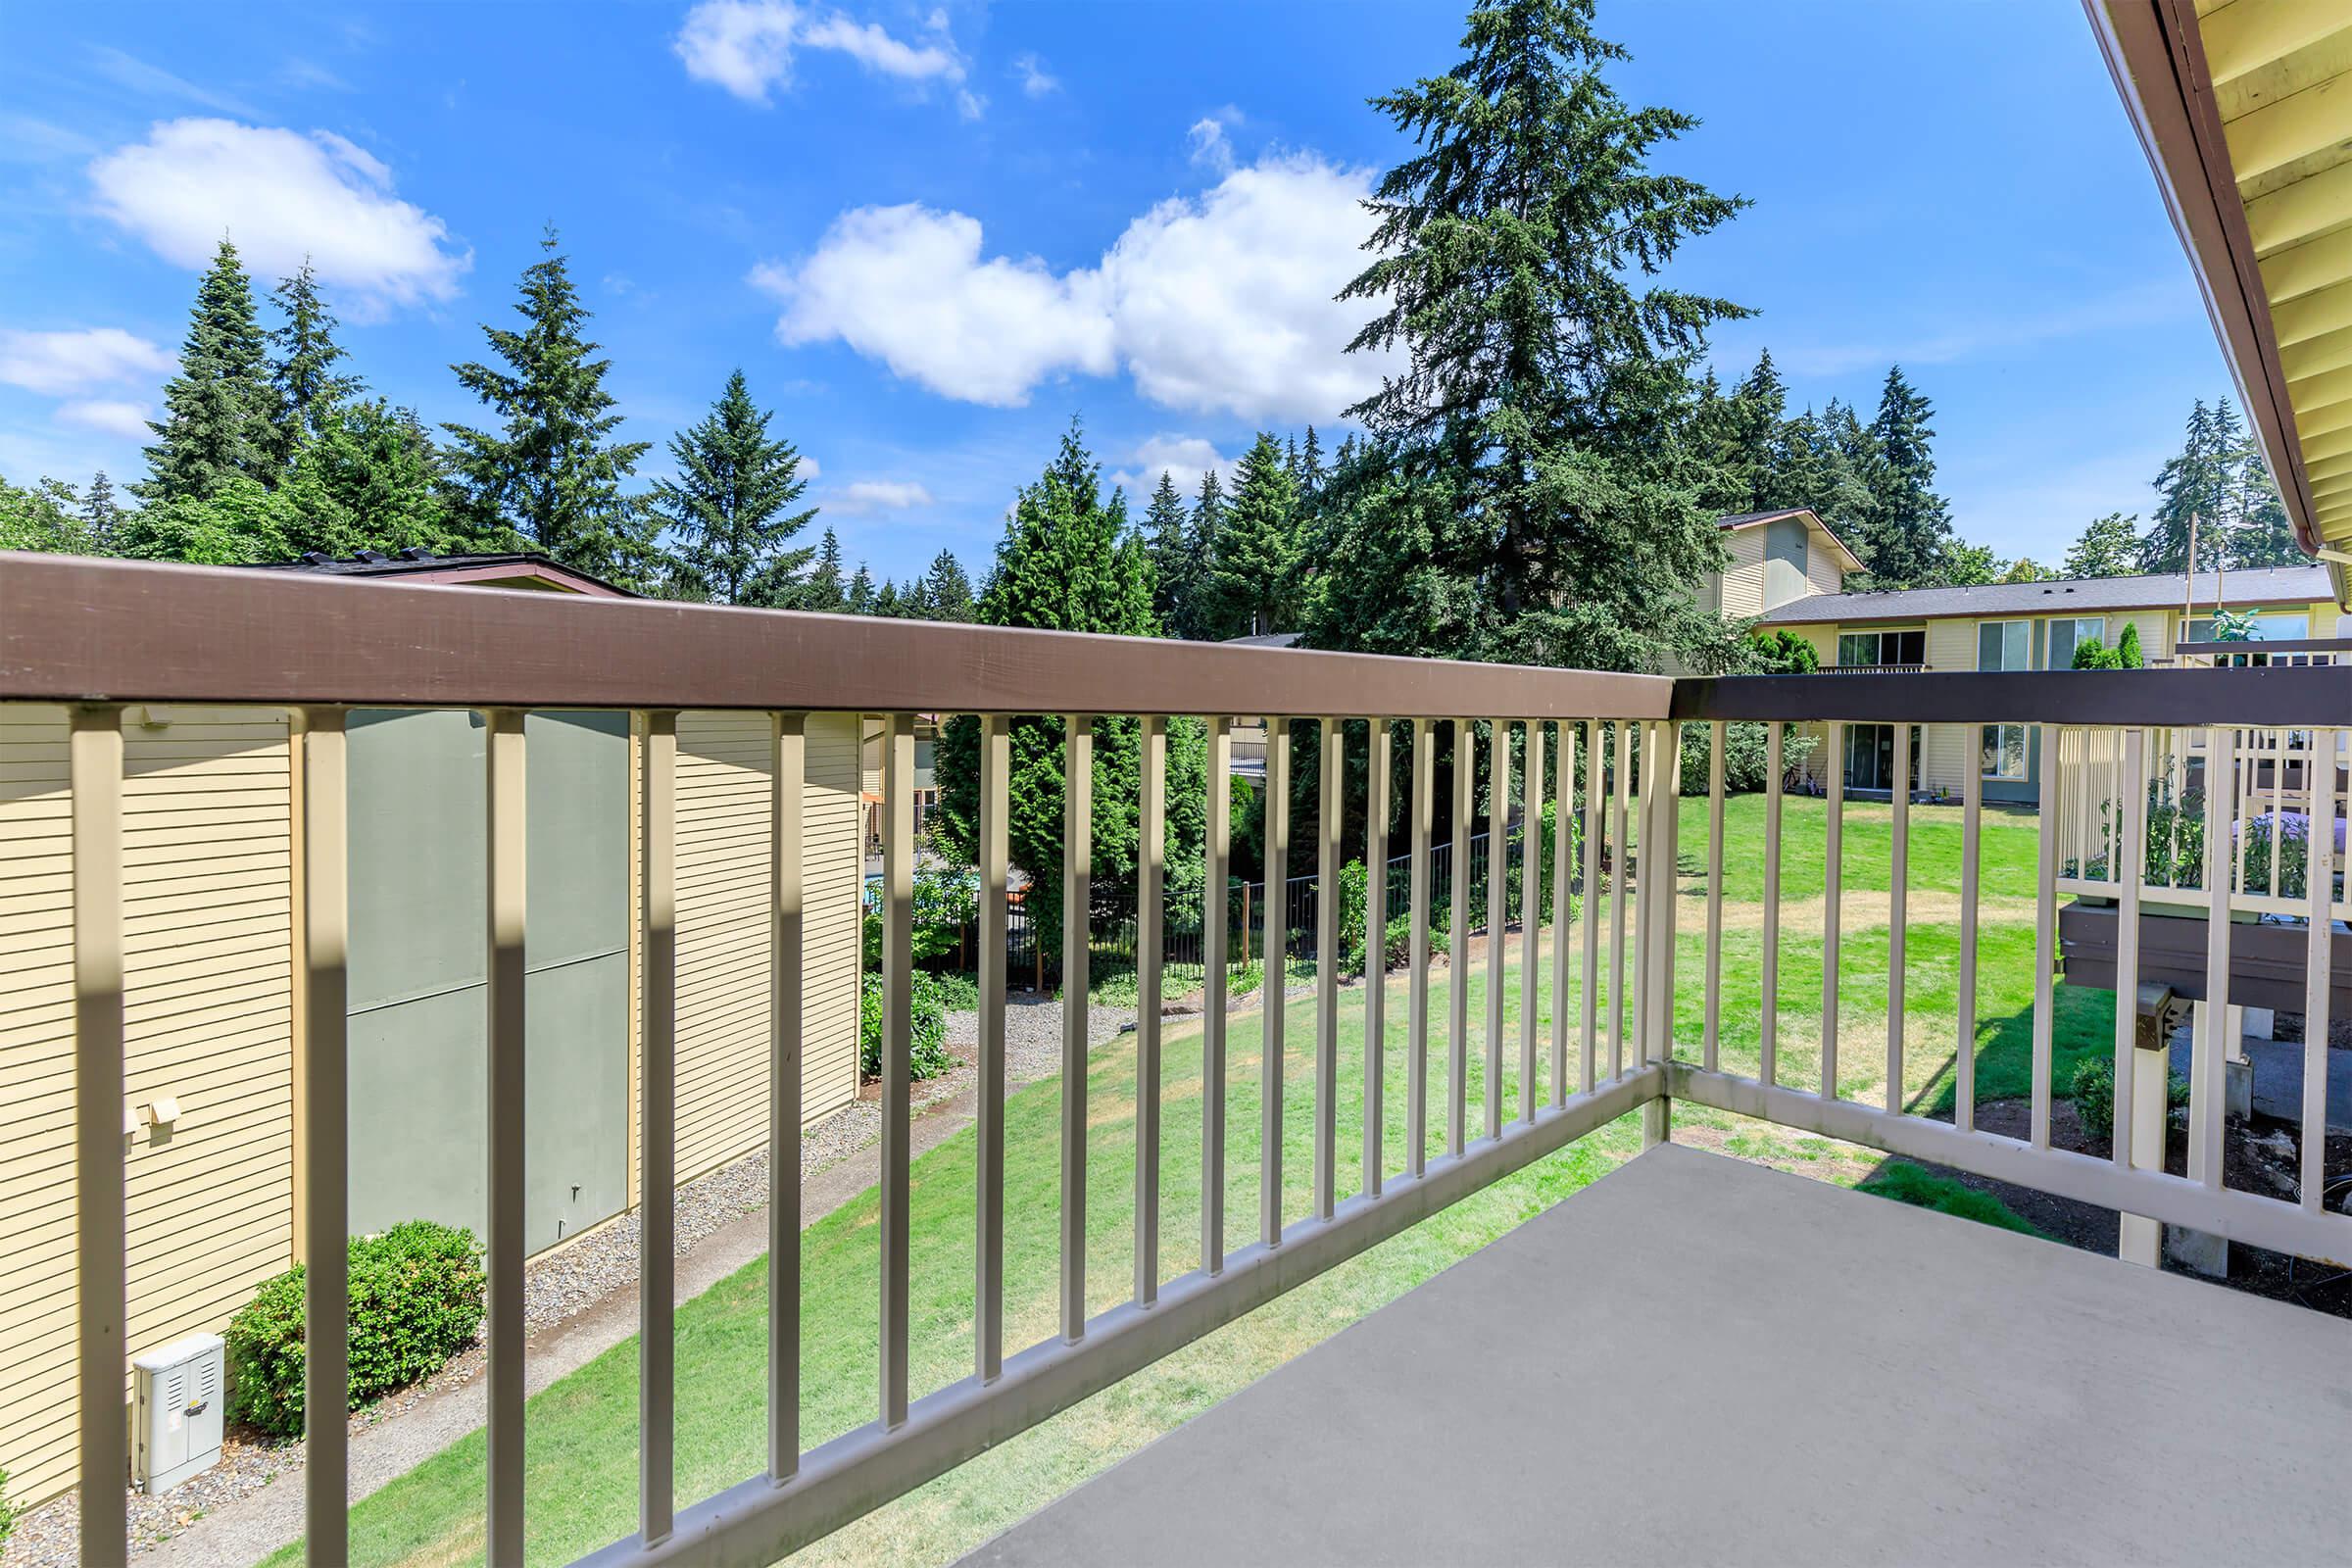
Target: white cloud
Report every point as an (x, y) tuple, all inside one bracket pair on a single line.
[(1210, 147), (153, 81), (807, 468), (905, 285), (281, 196), (1184, 458), (126, 420), (1222, 303), (869, 496), (1036, 81), (745, 46), (57, 363)]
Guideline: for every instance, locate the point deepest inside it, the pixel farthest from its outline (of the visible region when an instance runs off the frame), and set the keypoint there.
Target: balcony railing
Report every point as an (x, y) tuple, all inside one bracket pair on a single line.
[(1872, 669), (1603, 748)]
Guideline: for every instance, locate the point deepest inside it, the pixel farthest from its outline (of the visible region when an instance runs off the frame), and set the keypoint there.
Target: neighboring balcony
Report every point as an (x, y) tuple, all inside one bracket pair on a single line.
[(1692, 1359)]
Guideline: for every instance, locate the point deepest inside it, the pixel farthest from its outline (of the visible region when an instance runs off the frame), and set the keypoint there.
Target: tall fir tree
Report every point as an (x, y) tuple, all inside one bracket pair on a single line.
[(305, 387), (101, 513), (824, 591), (215, 422), (858, 599), (551, 472), (1253, 584), (732, 504), (947, 589), (1906, 537), (1069, 562), (1177, 560), (1542, 394), (2196, 483), (2109, 548), (369, 478), (2260, 534), (1754, 443), (1311, 469)]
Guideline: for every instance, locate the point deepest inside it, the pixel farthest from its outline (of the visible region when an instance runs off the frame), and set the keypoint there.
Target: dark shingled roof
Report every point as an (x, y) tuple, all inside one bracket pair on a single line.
[(419, 561), (2089, 595)]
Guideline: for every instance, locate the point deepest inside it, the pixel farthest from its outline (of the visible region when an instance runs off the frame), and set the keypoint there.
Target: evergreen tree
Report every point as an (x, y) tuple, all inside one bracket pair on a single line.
[(1754, 452), (2196, 483), (1907, 533), (1069, 562), (730, 505), (1253, 583), (1312, 473), (1543, 396), (551, 472), (1814, 471), (886, 604), (369, 478), (1177, 559), (305, 388), (947, 589), (2109, 548), (1209, 524), (2260, 534), (858, 600), (823, 591), (216, 421), (2024, 568), (101, 513)]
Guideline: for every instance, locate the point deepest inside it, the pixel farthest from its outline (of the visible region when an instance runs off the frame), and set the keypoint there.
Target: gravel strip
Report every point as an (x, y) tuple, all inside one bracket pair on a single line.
[(565, 1283)]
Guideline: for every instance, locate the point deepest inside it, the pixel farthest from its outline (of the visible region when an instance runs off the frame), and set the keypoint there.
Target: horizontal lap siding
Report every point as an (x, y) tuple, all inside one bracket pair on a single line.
[(1743, 575), (723, 848), (207, 852)]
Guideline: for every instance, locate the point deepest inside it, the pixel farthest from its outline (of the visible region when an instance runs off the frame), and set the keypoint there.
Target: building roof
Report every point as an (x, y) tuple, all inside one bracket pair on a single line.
[(2262, 586), (1267, 639), (515, 569), (1749, 520), (2245, 114)]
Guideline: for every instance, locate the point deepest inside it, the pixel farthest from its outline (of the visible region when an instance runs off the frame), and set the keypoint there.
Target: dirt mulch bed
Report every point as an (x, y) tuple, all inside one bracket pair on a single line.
[(2262, 1156)]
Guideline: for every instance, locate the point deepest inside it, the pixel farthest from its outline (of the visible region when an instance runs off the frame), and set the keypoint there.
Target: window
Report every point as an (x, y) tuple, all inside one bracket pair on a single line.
[(2068, 635), (2006, 644), (2270, 626), (2003, 751), (1907, 646)]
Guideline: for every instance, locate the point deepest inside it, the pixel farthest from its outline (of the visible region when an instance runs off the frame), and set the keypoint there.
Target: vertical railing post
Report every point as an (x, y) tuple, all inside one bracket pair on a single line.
[(1077, 898), (897, 1051), (788, 773), (1711, 1038), (1531, 908), (988, 1131), (504, 1237), (1964, 1067), (1597, 772), (94, 762), (2209, 1049), (2046, 938), (1213, 957), (1768, 1017), (321, 744), (657, 1269), (1898, 879), (1563, 897), (1274, 981), (1620, 875), (1329, 765), (1833, 904), (1498, 850), (1150, 866), (1457, 945), (1376, 938), (2319, 886), (1661, 783), (1421, 804)]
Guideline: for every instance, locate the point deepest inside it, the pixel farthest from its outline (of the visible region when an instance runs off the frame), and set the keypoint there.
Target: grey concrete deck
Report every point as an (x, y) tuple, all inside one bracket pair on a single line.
[(1698, 1361)]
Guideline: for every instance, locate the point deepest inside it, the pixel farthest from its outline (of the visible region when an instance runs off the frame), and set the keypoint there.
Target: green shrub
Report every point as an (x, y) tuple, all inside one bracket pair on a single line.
[(2094, 1093), (1354, 888), (8, 1513), (1782, 652), (2127, 648), (415, 1301), (1744, 758), (929, 1055)]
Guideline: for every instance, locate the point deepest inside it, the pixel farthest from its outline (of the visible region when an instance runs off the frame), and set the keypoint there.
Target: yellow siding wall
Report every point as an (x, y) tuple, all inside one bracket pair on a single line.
[(1743, 577), (209, 1001), (1820, 566), (1948, 751), (724, 846)]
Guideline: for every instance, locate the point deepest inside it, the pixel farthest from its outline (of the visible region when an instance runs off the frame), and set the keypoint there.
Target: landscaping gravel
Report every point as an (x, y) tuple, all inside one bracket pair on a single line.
[(567, 1281)]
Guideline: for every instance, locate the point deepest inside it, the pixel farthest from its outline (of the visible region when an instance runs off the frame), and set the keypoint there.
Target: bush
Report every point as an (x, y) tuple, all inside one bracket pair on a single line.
[(945, 903), (8, 1513), (1782, 652), (415, 1301), (929, 1037), (1743, 755), (2092, 654), (2127, 648), (2094, 1093)]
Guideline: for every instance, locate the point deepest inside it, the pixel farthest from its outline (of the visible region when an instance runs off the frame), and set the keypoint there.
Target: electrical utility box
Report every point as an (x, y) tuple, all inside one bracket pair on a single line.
[(175, 1412)]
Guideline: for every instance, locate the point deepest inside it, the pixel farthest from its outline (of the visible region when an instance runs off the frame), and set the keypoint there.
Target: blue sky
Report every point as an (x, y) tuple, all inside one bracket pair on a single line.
[(929, 236)]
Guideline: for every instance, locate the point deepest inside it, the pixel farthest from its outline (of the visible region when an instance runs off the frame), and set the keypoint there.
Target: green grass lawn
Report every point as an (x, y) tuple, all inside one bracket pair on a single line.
[(583, 1430)]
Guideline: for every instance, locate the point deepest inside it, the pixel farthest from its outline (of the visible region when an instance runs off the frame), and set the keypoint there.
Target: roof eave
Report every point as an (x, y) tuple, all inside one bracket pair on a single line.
[(2157, 58)]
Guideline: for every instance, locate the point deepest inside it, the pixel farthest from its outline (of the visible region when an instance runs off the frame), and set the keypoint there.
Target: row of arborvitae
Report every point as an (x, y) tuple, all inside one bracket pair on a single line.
[(415, 1301)]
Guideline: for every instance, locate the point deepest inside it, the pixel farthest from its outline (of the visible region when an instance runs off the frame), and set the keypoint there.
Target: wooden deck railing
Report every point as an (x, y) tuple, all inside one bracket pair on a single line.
[(97, 636)]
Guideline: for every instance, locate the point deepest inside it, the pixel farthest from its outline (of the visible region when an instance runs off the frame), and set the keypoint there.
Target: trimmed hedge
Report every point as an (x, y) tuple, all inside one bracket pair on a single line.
[(415, 1301)]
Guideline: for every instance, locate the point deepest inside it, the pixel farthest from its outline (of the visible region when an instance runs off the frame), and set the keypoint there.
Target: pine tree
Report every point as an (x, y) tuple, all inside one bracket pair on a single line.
[(369, 478), (947, 589), (1312, 473), (1254, 581), (551, 472), (2109, 548), (216, 421), (1815, 471), (1754, 446), (823, 591), (1208, 525), (1907, 534), (101, 513), (1542, 395), (2260, 534), (304, 386), (858, 600), (729, 506), (1176, 559), (2193, 483), (1069, 562)]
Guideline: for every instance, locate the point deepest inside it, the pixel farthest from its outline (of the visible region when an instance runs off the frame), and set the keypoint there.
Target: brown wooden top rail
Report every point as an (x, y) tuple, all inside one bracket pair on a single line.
[(74, 629), (2275, 696)]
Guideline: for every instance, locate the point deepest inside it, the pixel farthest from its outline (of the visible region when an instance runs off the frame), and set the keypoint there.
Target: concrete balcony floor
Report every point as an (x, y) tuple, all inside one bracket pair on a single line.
[(1699, 1360)]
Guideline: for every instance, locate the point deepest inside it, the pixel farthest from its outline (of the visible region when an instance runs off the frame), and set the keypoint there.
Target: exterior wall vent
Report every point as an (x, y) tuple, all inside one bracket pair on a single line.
[(177, 1399)]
